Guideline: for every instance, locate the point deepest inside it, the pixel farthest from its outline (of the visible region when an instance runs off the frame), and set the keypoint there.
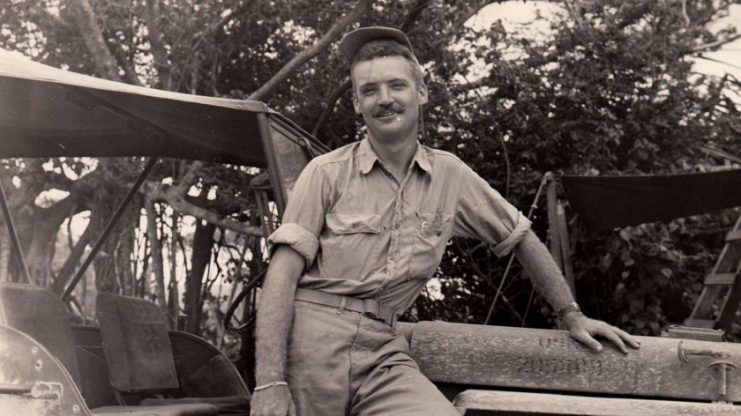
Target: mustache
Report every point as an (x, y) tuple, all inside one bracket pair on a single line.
[(393, 108)]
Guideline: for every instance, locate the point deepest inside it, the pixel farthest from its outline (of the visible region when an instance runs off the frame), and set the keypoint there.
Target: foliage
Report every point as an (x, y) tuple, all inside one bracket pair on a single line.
[(611, 90)]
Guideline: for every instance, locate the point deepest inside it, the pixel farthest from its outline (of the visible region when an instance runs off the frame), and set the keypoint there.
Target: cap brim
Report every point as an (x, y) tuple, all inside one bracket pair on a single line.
[(353, 41)]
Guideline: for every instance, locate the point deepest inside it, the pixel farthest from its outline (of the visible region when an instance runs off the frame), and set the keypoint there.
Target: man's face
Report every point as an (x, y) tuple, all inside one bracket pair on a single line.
[(388, 97)]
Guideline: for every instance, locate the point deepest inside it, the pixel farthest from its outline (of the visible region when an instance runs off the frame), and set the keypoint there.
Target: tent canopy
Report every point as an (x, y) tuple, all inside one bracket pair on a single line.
[(606, 202), (48, 112)]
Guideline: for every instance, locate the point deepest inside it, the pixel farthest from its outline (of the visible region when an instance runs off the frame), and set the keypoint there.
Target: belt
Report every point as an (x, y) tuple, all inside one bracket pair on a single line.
[(368, 307)]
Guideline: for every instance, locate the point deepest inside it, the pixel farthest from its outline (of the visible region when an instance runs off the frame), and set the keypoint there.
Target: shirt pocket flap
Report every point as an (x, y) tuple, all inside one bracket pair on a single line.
[(354, 223)]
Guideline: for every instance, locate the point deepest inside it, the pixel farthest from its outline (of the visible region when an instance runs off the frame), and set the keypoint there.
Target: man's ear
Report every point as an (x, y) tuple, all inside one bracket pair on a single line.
[(422, 94), (355, 102)]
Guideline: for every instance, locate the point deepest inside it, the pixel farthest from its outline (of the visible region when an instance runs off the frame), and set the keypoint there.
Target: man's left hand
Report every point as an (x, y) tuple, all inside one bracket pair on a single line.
[(584, 329)]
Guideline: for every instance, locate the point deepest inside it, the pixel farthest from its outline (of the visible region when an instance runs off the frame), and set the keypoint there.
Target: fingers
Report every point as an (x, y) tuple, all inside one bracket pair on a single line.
[(585, 330), (609, 333), (585, 338), (629, 339)]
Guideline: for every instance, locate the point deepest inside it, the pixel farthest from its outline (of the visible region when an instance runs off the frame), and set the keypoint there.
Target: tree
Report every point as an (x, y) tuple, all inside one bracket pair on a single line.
[(611, 90), (112, 40)]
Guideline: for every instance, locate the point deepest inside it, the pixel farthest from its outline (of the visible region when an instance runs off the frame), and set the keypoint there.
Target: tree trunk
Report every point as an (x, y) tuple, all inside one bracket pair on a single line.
[(156, 254), (361, 8), (174, 301), (159, 52), (84, 17), (124, 262), (202, 242), (6, 274), (73, 260)]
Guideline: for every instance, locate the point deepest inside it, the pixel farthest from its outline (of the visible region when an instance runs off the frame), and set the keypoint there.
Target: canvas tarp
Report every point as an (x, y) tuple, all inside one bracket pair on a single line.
[(606, 202), (49, 112)]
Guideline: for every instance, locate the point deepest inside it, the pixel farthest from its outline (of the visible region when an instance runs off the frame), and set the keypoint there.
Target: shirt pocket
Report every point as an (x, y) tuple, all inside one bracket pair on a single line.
[(351, 245), (432, 234)]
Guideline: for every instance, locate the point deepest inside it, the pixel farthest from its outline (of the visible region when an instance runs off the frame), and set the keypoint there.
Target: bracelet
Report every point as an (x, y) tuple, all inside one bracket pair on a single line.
[(269, 385), (571, 307)]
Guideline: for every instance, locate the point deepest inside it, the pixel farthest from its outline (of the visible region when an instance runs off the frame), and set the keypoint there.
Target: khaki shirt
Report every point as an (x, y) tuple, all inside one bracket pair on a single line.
[(363, 234)]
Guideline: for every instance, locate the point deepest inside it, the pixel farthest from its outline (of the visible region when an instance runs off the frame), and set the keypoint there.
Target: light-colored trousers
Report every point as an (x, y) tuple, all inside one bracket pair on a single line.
[(341, 362)]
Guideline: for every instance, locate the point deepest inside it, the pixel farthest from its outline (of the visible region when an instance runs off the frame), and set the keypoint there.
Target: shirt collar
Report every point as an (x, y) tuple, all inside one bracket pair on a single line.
[(368, 157)]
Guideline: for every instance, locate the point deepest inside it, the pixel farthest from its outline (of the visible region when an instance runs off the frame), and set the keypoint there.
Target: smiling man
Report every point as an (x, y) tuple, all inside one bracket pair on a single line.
[(365, 228)]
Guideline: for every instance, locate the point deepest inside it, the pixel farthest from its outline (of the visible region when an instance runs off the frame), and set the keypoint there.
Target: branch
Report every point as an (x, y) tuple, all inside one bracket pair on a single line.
[(220, 23), (200, 36), (158, 46), (684, 13), (84, 17), (329, 106), (72, 261), (189, 177), (575, 13), (701, 56), (334, 32), (41, 11), (713, 45), (127, 65), (414, 14), (173, 197)]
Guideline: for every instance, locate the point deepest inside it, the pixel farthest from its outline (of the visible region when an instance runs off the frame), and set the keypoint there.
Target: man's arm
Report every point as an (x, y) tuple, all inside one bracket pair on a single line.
[(547, 277), (274, 320)]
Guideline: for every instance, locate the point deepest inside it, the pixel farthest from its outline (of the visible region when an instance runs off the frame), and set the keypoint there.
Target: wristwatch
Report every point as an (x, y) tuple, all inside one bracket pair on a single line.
[(571, 307)]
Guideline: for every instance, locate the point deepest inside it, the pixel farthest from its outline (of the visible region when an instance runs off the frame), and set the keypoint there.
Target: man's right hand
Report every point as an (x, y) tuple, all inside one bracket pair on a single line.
[(275, 401)]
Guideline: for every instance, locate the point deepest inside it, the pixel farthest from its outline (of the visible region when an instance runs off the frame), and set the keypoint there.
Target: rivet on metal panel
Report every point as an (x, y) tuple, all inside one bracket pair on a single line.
[(75, 408), (684, 353), (724, 367), (38, 365), (34, 350)]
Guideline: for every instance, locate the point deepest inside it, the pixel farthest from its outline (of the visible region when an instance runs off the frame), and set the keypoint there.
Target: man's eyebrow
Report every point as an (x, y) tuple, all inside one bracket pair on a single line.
[(389, 81), (368, 84)]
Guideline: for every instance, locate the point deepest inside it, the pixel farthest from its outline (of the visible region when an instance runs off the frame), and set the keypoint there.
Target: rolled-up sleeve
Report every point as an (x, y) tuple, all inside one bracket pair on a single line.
[(483, 213), (303, 219)]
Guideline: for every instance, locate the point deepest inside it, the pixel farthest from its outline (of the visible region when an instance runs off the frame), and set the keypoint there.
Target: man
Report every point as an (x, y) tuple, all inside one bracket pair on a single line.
[(365, 227)]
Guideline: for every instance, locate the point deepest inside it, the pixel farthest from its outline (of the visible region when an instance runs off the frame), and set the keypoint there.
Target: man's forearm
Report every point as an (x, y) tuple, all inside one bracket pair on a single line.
[(275, 314), (543, 271)]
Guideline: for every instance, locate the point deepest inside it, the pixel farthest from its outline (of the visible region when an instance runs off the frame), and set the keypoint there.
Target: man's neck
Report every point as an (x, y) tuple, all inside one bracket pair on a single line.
[(396, 155)]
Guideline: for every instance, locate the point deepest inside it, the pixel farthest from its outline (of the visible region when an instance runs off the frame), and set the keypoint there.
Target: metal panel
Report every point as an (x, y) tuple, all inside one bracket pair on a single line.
[(26, 363), (136, 343), (550, 360), (509, 402), (39, 313)]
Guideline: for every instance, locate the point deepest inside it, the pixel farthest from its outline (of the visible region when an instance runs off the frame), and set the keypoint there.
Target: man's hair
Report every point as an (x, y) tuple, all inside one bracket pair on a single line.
[(382, 48)]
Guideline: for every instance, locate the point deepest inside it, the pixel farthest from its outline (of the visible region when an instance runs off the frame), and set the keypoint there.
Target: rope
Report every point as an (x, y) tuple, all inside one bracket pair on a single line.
[(547, 177)]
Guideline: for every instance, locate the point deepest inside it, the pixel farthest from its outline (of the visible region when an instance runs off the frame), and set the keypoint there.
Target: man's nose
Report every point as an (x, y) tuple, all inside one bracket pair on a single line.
[(385, 96)]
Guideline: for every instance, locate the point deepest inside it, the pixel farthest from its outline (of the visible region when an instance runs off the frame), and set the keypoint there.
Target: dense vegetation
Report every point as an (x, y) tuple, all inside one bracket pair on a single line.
[(610, 89)]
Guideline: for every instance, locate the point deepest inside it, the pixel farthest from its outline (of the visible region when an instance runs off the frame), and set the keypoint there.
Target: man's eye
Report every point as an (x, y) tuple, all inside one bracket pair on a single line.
[(367, 91), (398, 85)]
